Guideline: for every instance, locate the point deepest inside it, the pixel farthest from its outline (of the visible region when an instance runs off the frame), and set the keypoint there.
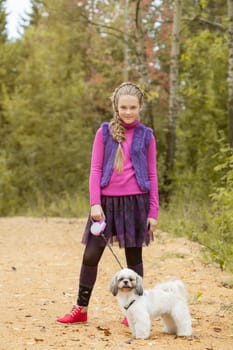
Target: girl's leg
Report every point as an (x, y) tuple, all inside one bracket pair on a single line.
[(134, 259), (88, 274), (91, 257)]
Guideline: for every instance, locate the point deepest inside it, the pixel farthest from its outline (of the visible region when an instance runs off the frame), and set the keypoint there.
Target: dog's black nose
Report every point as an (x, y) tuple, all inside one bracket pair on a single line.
[(125, 282)]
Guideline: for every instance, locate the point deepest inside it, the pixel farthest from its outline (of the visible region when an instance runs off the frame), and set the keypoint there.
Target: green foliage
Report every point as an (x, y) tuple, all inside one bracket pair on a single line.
[(203, 116), (222, 206), (8, 193), (208, 222), (201, 204), (65, 71), (44, 128), (196, 221)]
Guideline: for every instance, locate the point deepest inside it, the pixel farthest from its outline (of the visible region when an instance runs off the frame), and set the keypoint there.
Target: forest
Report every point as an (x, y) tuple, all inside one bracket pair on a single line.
[(55, 86)]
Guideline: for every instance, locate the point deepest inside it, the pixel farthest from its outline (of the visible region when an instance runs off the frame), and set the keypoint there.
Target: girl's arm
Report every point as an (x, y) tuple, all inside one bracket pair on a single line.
[(95, 176), (152, 172)]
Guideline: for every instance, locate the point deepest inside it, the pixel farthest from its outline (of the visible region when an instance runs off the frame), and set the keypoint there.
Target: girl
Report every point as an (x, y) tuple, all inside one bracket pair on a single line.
[(123, 191)]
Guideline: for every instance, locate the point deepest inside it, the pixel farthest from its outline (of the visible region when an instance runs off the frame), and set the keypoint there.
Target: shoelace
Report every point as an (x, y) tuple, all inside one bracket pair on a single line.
[(75, 310)]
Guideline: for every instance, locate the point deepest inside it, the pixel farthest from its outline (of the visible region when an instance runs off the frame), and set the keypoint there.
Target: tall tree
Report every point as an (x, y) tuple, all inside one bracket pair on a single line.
[(230, 71), (9, 53), (141, 55), (3, 39), (3, 33), (173, 94), (126, 41), (203, 92), (35, 14)]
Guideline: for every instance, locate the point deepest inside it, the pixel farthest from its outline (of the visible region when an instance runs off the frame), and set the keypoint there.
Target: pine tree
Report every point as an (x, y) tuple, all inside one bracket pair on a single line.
[(35, 14), (3, 32)]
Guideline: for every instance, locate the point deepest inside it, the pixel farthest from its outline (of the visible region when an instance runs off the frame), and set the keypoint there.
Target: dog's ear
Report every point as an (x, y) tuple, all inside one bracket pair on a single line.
[(114, 285), (139, 287)]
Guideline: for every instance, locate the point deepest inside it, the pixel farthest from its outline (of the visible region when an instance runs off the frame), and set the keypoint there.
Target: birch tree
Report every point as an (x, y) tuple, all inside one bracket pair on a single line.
[(173, 93), (141, 55), (126, 41)]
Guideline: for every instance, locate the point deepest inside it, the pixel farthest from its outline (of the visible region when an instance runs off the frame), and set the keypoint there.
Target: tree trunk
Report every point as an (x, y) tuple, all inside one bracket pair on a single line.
[(126, 41), (173, 98), (142, 60), (230, 72)]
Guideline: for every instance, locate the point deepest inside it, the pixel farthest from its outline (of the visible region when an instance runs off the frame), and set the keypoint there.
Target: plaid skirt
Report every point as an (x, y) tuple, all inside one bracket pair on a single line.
[(126, 221)]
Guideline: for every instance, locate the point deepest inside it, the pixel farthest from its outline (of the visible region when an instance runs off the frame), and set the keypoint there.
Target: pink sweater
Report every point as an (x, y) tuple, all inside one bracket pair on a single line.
[(125, 183)]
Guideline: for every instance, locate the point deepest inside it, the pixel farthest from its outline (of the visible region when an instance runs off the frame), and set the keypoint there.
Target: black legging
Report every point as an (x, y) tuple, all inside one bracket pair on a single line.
[(91, 257), (93, 254)]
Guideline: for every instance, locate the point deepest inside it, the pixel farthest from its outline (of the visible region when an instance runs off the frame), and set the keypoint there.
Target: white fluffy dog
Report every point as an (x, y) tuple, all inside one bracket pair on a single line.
[(167, 300)]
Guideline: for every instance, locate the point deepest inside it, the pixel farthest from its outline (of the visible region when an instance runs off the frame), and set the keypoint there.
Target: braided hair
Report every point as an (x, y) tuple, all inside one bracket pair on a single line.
[(117, 129)]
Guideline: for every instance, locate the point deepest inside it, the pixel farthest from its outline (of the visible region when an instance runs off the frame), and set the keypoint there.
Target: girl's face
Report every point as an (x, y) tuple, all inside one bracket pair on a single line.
[(128, 108)]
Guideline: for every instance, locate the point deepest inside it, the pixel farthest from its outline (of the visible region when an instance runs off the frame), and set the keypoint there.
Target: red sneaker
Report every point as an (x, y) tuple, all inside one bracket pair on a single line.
[(125, 322), (76, 315)]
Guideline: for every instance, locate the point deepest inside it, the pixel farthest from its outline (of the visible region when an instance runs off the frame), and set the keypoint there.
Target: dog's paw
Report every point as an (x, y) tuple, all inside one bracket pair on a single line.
[(130, 340)]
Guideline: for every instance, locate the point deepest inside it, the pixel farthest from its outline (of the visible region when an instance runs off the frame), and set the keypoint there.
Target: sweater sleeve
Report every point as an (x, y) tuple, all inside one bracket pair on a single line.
[(152, 172), (96, 168)]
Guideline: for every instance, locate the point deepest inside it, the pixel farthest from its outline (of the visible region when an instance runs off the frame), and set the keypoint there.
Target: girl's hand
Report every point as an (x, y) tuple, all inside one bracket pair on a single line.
[(152, 224), (97, 212)]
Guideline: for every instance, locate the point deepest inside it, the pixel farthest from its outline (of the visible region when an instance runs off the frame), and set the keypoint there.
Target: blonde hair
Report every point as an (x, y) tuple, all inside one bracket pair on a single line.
[(117, 129)]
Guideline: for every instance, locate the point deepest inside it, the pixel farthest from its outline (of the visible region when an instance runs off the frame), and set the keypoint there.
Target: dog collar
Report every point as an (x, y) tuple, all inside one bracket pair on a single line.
[(130, 304)]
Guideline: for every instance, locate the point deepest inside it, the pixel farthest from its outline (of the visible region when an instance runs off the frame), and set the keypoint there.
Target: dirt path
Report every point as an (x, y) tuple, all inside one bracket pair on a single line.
[(39, 266)]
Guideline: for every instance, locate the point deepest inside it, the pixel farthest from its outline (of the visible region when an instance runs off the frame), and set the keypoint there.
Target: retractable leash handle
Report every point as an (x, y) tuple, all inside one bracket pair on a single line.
[(97, 229)]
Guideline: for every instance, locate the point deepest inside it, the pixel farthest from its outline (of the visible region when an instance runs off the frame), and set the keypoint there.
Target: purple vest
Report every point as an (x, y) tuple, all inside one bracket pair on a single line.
[(139, 147)]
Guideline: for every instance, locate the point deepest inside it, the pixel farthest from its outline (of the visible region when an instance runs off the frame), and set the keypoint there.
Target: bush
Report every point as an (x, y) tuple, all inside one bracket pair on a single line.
[(8, 193), (222, 211), (210, 221)]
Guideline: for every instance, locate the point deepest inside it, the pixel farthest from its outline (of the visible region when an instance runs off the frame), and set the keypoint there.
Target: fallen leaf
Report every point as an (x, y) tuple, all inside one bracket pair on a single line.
[(38, 339), (197, 296), (105, 330), (217, 329)]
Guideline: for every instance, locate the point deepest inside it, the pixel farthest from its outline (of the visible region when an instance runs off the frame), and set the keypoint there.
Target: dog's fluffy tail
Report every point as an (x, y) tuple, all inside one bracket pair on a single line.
[(175, 286), (179, 286)]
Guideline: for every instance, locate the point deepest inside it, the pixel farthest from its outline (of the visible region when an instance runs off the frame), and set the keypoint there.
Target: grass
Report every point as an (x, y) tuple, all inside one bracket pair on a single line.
[(195, 221)]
